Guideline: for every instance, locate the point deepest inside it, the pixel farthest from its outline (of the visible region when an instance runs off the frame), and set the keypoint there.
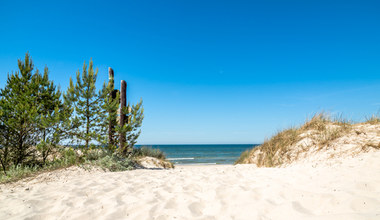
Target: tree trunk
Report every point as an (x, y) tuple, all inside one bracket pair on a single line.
[(111, 124), (123, 104), (3, 165), (21, 153), (87, 124)]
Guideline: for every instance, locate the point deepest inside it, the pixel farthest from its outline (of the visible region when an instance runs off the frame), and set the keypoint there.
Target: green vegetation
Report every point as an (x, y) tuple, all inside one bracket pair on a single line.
[(111, 162), (148, 152), (30, 111), (242, 157), (99, 157), (36, 120), (86, 106), (283, 147)]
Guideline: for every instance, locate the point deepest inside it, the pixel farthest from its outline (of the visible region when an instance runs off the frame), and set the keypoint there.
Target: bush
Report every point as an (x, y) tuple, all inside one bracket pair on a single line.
[(17, 172), (148, 152), (95, 154), (114, 163)]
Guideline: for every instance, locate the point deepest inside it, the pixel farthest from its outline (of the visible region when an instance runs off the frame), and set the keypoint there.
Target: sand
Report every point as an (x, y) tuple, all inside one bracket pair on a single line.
[(349, 189)]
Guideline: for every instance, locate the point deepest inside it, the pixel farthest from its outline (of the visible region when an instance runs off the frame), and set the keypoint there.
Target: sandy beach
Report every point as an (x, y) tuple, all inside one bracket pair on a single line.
[(343, 189)]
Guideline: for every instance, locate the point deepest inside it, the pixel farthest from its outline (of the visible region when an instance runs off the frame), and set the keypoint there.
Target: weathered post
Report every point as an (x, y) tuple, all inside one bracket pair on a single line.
[(123, 104), (111, 125)]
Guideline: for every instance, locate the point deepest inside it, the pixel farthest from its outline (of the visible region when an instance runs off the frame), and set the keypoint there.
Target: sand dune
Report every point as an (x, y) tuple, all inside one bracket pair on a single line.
[(349, 189)]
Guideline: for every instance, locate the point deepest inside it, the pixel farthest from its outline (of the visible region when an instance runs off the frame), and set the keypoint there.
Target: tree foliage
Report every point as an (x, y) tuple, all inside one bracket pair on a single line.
[(35, 119), (29, 105), (86, 104), (135, 116)]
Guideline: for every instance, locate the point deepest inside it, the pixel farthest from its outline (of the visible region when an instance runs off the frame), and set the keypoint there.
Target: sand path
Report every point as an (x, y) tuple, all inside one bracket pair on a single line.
[(348, 190)]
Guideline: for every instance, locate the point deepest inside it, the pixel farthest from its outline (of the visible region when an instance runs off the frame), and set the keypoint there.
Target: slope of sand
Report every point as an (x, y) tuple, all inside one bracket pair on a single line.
[(349, 189), (316, 141)]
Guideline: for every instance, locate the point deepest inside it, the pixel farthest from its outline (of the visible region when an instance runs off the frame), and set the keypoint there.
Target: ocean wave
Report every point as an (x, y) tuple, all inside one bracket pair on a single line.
[(181, 158)]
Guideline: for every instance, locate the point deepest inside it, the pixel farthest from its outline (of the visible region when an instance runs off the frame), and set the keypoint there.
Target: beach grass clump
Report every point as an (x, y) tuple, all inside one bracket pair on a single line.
[(98, 157), (374, 119), (268, 154), (148, 152), (114, 163), (95, 154), (18, 172), (243, 157), (317, 122), (65, 158), (287, 145)]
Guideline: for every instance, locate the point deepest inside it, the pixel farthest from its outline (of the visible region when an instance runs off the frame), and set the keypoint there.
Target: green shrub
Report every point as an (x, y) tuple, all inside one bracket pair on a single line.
[(114, 163), (18, 172), (148, 152), (95, 154)]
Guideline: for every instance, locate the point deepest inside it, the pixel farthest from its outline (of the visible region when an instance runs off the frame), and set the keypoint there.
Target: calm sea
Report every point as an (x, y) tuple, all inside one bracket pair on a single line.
[(203, 153)]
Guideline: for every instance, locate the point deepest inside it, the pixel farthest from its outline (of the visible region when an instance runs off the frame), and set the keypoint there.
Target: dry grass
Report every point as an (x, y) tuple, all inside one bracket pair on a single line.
[(374, 119), (285, 146), (242, 157)]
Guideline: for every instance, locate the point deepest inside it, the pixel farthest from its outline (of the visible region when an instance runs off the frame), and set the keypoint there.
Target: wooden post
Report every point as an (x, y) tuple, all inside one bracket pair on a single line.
[(123, 104), (111, 125)]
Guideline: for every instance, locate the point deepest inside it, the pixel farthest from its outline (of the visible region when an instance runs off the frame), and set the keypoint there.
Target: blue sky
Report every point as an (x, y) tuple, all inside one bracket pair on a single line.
[(209, 71)]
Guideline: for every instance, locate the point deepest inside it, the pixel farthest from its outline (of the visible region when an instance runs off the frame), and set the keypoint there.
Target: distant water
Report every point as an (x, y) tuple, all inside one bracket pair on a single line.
[(203, 153)]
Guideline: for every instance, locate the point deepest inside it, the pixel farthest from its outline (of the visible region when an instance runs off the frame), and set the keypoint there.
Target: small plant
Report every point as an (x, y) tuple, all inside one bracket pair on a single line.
[(374, 119), (148, 152), (115, 163), (95, 154), (317, 122), (244, 156), (18, 172)]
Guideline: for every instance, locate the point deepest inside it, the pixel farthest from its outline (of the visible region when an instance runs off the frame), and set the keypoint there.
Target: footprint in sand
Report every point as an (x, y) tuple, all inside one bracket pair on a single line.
[(196, 208), (90, 201), (119, 200), (153, 210), (171, 204), (299, 208)]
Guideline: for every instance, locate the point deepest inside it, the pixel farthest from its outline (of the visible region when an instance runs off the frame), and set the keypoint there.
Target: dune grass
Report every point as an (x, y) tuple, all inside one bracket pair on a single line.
[(374, 119), (321, 128), (148, 152), (68, 156)]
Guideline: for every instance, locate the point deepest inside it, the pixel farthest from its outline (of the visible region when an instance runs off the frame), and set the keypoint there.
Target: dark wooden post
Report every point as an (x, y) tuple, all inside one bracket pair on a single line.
[(111, 124), (123, 104)]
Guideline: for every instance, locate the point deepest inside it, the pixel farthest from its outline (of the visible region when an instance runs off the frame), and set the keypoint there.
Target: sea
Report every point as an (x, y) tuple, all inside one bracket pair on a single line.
[(202, 154)]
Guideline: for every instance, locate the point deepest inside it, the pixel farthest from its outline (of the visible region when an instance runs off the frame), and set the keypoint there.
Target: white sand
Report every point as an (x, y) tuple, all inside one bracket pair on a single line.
[(349, 189)]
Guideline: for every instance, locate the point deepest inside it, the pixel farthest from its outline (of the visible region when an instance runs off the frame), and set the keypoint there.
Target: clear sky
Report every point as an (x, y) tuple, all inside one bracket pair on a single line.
[(209, 71)]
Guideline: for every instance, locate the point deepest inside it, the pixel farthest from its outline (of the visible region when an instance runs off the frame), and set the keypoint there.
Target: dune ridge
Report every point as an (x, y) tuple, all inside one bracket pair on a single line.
[(319, 140)]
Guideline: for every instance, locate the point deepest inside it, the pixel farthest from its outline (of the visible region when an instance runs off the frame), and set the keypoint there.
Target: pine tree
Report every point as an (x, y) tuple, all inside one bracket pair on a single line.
[(135, 116), (19, 113), (5, 136), (109, 109), (86, 103), (29, 106), (51, 107), (109, 126)]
